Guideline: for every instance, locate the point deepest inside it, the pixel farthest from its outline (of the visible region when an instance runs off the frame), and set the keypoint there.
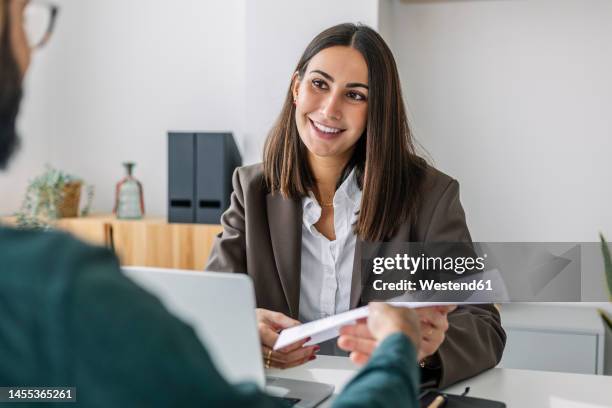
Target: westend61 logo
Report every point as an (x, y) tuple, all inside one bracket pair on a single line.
[(411, 264), (489, 272)]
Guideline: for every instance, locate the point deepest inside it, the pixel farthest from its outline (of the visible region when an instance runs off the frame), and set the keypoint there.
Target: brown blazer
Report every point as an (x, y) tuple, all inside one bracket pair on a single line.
[(262, 237)]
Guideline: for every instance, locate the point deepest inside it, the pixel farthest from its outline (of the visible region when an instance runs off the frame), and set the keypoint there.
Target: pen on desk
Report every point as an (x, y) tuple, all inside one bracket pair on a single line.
[(437, 402)]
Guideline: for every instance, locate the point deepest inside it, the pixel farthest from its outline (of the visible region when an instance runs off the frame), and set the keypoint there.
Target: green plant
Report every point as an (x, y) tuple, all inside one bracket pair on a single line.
[(44, 197), (608, 268), (607, 263)]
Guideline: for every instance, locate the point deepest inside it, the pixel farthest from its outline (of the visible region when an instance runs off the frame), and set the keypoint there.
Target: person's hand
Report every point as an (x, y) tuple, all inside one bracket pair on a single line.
[(362, 338), (269, 324), (434, 324)]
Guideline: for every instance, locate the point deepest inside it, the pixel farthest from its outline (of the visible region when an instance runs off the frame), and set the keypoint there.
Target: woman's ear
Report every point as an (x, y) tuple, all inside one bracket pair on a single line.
[(295, 84)]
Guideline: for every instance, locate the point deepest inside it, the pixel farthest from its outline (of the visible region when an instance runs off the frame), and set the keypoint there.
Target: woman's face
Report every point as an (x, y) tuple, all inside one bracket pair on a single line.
[(332, 102)]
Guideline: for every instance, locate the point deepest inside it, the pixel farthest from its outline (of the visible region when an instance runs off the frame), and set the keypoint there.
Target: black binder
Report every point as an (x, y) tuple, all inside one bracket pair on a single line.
[(200, 167)]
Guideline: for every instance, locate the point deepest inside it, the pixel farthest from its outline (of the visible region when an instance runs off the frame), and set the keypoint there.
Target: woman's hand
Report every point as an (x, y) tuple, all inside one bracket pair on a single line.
[(362, 338), (270, 324), (434, 324)]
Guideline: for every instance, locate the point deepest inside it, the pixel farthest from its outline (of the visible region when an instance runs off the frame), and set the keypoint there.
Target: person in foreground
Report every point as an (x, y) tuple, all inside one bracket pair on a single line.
[(70, 318)]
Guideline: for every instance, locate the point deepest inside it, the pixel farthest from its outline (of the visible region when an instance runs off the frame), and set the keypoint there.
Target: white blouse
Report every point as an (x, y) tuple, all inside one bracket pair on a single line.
[(327, 266)]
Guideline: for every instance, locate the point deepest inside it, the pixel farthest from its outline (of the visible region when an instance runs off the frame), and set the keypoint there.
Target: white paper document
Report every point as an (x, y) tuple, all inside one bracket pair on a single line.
[(329, 327)]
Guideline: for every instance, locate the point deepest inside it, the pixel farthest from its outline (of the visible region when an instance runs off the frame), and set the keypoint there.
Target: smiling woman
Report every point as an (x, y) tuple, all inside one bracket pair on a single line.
[(347, 80), (340, 169)]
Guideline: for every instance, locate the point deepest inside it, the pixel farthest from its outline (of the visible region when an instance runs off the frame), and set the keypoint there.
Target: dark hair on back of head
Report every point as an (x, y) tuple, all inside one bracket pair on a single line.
[(10, 91)]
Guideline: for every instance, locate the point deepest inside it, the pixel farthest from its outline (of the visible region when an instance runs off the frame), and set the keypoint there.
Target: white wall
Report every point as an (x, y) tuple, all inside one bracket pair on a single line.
[(278, 32), (118, 75), (514, 99), (115, 78)]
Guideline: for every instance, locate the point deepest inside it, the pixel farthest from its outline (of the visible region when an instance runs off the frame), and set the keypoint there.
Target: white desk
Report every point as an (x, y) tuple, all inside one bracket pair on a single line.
[(517, 388), (541, 336)]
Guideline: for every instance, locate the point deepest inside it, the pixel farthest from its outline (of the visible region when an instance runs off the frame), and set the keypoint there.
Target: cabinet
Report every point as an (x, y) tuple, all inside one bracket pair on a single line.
[(146, 242), (155, 242)]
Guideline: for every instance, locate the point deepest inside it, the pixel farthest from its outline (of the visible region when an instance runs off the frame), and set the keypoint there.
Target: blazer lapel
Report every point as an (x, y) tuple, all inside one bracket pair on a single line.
[(357, 282), (360, 276), (369, 250), (285, 218)]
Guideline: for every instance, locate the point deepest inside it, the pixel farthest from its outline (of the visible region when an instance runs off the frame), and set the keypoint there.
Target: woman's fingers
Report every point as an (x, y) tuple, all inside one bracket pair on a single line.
[(434, 324), (294, 346), (270, 323), (277, 320), (298, 355), (285, 360), (440, 321), (434, 317), (267, 334), (433, 335), (269, 337), (426, 349), (432, 339)]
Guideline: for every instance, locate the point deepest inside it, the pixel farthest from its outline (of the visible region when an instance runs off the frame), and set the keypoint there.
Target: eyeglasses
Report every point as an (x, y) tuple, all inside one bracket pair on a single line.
[(39, 21)]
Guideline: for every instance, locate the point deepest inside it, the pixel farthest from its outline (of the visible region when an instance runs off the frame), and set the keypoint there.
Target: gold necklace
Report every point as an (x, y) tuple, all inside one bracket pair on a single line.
[(317, 194), (322, 204)]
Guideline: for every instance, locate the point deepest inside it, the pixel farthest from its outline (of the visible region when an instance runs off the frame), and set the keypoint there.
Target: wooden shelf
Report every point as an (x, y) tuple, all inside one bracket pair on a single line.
[(146, 242)]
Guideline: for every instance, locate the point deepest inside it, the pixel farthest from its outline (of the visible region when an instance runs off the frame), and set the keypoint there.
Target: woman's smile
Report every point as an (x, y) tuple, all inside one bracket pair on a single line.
[(323, 131)]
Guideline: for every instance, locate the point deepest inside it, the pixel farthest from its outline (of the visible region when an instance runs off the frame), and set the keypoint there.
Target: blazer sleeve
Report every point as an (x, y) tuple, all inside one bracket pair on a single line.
[(228, 253), (475, 339)]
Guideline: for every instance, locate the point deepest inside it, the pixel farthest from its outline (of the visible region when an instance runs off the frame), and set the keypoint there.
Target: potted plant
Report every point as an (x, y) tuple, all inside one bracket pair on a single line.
[(52, 195)]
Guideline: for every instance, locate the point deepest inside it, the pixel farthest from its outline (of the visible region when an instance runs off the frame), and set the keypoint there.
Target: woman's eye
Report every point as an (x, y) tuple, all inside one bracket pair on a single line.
[(356, 96), (319, 84)]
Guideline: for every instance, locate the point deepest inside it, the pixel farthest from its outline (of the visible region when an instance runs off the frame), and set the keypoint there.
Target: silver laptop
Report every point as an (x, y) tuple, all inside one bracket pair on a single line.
[(221, 309)]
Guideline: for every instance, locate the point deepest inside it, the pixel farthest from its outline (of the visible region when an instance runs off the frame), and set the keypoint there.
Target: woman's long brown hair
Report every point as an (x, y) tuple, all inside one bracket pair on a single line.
[(389, 172)]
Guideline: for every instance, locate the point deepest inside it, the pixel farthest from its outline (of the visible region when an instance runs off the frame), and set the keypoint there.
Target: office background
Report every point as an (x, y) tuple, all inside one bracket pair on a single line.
[(511, 97)]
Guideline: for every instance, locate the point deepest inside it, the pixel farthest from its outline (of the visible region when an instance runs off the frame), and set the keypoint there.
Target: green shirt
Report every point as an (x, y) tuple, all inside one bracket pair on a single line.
[(69, 317)]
